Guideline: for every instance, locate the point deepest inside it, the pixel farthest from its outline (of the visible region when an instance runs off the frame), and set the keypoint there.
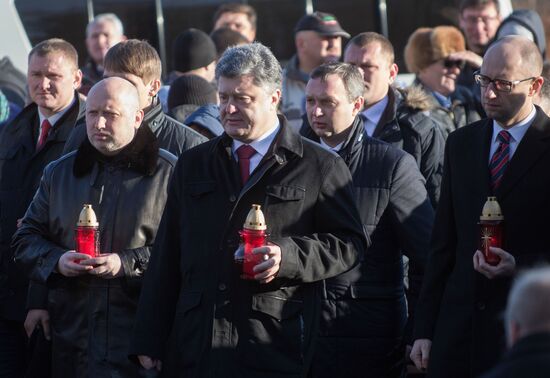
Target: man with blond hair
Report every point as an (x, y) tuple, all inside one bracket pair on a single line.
[(32, 140)]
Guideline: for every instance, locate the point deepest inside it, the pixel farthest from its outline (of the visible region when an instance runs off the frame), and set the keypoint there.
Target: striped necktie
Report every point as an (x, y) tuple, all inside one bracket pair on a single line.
[(500, 159)]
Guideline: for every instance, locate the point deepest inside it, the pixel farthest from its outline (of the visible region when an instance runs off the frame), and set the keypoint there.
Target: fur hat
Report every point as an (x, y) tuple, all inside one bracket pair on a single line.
[(427, 45)]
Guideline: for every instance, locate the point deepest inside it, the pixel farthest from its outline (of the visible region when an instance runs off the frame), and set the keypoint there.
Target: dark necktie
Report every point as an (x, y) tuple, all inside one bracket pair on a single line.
[(500, 159), (44, 131), (244, 153)]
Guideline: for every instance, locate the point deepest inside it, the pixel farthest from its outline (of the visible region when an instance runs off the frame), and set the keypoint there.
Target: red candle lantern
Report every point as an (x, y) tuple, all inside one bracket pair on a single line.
[(491, 229), (87, 232), (253, 235)]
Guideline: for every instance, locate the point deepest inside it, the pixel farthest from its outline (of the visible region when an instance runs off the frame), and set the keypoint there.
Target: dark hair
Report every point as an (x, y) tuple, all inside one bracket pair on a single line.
[(56, 45), (366, 38), (237, 8), (134, 57), (351, 77), (224, 38), (477, 4)]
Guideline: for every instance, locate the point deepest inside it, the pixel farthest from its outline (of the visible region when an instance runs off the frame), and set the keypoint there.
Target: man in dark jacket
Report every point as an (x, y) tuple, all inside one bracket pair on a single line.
[(139, 63), (365, 324), (196, 314), (397, 116), (27, 144), (122, 173), (527, 328), (506, 156)]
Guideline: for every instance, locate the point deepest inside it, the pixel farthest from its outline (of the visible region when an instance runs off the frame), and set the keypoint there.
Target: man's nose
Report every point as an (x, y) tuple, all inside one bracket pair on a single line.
[(230, 108), (317, 111), (100, 123), (489, 91)]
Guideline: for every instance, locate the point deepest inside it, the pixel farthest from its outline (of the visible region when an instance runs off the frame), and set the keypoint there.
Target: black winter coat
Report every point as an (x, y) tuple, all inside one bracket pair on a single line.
[(172, 136), (91, 317), (365, 317), (195, 313), (20, 171)]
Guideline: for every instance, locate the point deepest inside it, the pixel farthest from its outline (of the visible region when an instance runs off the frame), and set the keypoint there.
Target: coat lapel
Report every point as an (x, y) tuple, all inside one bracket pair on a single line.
[(533, 145)]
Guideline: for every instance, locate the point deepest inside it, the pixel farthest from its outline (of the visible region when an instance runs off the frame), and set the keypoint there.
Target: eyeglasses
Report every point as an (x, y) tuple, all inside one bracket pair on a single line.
[(451, 63), (499, 84), (472, 20)]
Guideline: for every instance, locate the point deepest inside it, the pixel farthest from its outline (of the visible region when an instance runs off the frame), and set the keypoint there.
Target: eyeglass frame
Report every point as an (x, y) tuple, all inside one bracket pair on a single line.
[(477, 77), (473, 20)]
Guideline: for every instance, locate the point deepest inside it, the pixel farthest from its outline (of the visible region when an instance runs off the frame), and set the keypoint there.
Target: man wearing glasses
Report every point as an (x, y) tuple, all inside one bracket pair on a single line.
[(507, 156), (479, 21)]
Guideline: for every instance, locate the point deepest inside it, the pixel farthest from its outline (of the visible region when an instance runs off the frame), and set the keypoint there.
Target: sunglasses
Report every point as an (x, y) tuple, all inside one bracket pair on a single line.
[(452, 63)]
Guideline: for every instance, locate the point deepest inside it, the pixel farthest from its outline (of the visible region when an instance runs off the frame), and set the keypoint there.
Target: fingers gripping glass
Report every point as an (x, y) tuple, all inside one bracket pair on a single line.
[(499, 84)]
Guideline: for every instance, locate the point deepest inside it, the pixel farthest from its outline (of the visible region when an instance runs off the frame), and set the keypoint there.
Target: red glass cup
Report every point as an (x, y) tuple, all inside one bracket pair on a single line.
[(87, 241), (491, 235), (244, 257)]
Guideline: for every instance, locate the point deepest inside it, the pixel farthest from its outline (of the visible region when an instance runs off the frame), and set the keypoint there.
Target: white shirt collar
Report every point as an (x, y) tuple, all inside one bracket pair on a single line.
[(261, 145), (54, 118), (518, 130), (336, 148), (374, 112)]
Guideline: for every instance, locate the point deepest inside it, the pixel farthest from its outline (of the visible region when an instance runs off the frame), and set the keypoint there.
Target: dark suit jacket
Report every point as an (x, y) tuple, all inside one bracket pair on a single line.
[(459, 309), (529, 357)]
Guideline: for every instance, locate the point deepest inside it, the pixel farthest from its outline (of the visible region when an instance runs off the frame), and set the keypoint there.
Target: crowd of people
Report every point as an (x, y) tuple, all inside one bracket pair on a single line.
[(371, 193)]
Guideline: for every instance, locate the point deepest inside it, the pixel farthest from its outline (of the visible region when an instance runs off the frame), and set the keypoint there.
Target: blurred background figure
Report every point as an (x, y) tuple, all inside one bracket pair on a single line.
[(224, 38), (543, 98), (428, 55), (13, 84), (102, 33), (238, 17), (527, 322), (525, 22), (318, 39), (194, 53), (188, 93)]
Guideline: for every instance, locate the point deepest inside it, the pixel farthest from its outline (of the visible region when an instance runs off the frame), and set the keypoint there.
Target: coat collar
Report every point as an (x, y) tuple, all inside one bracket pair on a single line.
[(154, 116), (534, 144), (141, 155)]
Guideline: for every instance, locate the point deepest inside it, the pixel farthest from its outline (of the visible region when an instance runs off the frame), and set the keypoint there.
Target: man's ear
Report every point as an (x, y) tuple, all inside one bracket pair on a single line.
[(394, 70), (358, 104), (77, 81), (536, 86), (155, 87), (138, 119), (276, 98)]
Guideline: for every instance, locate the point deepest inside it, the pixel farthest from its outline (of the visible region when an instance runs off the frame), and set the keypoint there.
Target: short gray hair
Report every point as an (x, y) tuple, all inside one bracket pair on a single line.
[(255, 60), (525, 304), (106, 17), (350, 75)]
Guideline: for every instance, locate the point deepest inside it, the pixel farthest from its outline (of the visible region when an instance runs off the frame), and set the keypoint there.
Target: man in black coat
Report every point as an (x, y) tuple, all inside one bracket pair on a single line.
[(397, 116), (527, 328), (462, 295), (197, 316), (27, 145), (139, 63), (123, 175), (365, 324)]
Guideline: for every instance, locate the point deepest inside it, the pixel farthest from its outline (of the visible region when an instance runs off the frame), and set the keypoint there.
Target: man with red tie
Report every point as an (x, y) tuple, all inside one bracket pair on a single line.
[(197, 315), (32, 140), (458, 329)]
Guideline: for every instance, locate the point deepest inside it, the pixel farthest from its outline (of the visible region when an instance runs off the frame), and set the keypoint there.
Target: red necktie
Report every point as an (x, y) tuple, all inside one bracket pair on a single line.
[(500, 159), (44, 130), (244, 153)]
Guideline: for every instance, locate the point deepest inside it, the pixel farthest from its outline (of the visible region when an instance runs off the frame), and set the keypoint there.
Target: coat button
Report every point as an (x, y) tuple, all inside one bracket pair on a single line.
[(480, 306), (222, 287), (232, 198)]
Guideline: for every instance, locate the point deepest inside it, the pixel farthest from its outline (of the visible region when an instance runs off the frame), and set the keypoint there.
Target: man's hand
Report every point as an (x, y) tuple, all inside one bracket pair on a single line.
[(505, 267), (470, 57), (35, 318), (148, 363), (420, 353), (19, 222), (267, 270), (106, 265), (67, 266)]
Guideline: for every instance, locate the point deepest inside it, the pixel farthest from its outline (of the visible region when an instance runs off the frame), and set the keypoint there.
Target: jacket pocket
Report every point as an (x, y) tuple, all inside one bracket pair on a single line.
[(283, 202), (190, 326), (286, 192), (199, 189), (274, 335)]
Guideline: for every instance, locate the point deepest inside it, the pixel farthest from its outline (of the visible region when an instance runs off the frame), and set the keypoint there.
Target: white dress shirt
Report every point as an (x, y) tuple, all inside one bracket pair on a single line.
[(335, 149), (373, 114), (261, 145), (516, 132), (52, 119)]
